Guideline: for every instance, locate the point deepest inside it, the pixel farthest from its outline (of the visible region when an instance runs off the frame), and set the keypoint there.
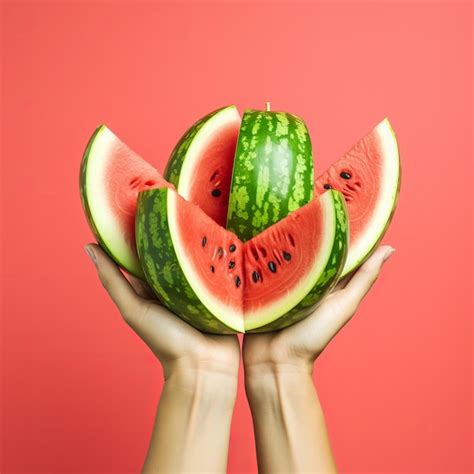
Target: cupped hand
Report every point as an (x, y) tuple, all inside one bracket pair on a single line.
[(297, 347), (175, 343)]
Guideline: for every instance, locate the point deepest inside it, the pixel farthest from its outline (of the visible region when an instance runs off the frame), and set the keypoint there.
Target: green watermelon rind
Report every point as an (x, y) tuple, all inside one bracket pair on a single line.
[(273, 171), (131, 264), (332, 264), (393, 162), (179, 170), (162, 267)]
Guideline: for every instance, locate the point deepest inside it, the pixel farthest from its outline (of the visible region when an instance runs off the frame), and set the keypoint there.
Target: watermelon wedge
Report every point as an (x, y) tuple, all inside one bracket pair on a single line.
[(200, 165), (111, 177), (368, 176), (208, 277)]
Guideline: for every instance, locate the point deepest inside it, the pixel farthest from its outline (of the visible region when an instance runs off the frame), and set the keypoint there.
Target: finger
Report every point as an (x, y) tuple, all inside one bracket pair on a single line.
[(316, 331), (363, 279), (142, 288), (341, 284), (117, 286)]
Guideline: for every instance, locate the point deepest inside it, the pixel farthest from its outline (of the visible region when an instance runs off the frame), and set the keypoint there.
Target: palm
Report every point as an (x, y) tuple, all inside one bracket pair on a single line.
[(172, 340), (304, 341)]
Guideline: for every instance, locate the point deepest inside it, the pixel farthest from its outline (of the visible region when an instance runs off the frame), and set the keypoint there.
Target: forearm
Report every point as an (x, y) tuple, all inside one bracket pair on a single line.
[(192, 424), (289, 425)]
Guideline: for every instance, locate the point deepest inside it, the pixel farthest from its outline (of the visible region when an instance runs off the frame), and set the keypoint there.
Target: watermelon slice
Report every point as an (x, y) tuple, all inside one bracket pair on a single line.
[(200, 166), (368, 176), (111, 177), (208, 277)]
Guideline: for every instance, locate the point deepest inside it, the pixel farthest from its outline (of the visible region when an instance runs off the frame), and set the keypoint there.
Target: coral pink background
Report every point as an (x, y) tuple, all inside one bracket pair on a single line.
[(79, 388)]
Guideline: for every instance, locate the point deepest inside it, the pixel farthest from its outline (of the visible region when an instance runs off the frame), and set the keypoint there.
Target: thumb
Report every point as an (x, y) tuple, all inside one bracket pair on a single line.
[(117, 286)]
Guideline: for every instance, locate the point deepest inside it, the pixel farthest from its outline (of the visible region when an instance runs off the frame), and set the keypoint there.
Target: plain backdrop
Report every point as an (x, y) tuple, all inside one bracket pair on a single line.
[(79, 388)]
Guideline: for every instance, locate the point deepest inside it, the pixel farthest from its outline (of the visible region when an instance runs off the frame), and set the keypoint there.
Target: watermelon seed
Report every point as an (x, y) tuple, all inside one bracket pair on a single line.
[(254, 253), (220, 252), (263, 252), (212, 269), (291, 239), (327, 186), (272, 267), (216, 192), (231, 264), (287, 256), (345, 175), (232, 247), (214, 175), (204, 241), (255, 276), (149, 183), (237, 281)]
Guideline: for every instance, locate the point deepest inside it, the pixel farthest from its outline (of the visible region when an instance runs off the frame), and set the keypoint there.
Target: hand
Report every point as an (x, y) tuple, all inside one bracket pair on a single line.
[(290, 430), (192, 424), (174, 342), (297, 347)]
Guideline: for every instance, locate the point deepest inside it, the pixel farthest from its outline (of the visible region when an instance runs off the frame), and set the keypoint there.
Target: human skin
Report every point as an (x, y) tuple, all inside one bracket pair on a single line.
[(290, 431), (192, 425)]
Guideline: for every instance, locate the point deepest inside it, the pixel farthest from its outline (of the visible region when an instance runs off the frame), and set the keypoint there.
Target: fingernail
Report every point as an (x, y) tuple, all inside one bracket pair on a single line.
[(388, 254), (91, 254)]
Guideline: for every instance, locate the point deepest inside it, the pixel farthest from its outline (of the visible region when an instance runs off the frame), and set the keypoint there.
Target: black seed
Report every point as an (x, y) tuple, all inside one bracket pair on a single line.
[(212, 269), (237, 281), (255, 276), (327, 186), (220, 252), (272, 267), (231, 264), (232, 248), (204, 241), (345, 175), (286, 256), (216, 193)]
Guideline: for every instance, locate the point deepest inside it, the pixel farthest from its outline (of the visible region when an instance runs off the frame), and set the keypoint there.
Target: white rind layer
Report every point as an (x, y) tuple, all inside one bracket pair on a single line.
[(222, 119), (278, 308), (389, 183), (229, 316), (101, 210)]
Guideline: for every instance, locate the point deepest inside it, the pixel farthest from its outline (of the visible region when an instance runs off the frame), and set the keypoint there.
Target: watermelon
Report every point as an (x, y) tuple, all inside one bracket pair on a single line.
[(111, 177), (200, 165), (210, 278), (368, 176), (272, 173)]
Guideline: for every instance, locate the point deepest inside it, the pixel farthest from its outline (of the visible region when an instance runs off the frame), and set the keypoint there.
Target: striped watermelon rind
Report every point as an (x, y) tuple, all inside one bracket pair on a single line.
[(162, 261), (272, 174)]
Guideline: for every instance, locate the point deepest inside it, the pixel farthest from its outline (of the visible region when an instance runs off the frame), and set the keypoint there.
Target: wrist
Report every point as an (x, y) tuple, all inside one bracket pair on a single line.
[(264, 381), (203, 382)]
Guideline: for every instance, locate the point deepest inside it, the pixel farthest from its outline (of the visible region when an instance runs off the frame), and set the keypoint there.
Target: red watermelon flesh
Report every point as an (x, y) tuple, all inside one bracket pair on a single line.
[(206, 275), (200, 165), (368, 176), (210, 184), (111, 177), (212, 254)]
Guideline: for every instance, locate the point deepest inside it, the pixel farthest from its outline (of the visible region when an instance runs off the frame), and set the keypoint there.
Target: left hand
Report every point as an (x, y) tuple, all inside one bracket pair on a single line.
[(298, 346)]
